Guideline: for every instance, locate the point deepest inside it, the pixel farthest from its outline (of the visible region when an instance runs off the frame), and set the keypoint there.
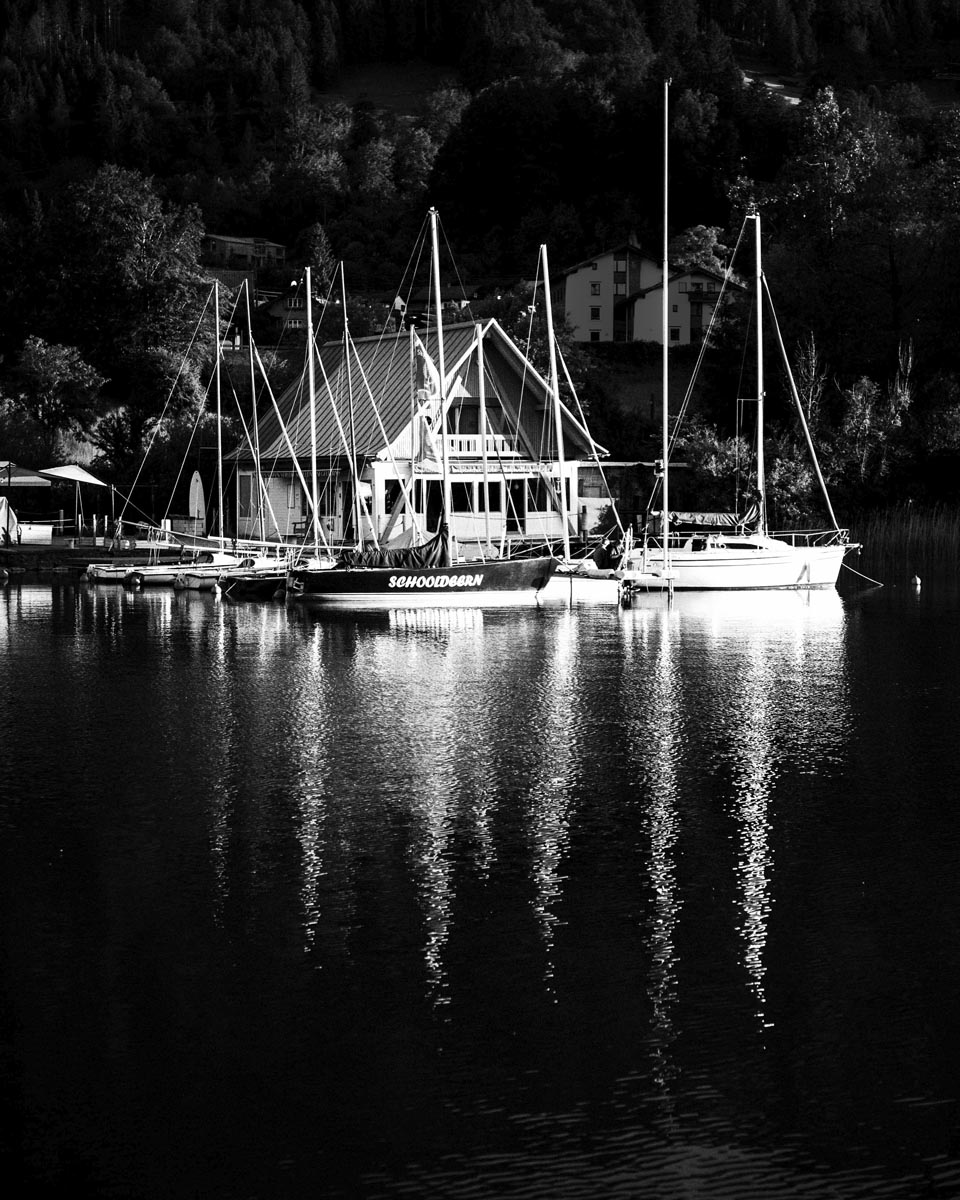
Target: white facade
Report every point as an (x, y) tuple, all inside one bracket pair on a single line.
[(594, 295), (691, 299)]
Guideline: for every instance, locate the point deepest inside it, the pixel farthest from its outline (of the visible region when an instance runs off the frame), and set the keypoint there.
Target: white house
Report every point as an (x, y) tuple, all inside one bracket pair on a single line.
[(593, 294), (616, 297), (384, 416), (691, 298)]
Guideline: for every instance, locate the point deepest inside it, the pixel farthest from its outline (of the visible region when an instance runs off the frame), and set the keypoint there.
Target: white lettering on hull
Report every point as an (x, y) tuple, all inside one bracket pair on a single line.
[(434, 581)]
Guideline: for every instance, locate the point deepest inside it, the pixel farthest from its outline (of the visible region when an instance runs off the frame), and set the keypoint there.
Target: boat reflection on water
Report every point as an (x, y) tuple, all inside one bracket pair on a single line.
[(750, 684)]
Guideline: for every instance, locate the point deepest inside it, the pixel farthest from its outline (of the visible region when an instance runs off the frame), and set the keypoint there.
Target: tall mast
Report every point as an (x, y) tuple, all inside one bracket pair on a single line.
[(435, 254), (257, 477), (761, 482), (311, 387), (216, 317), (481, 373), (357, 511), (555, 397), (665, 353)]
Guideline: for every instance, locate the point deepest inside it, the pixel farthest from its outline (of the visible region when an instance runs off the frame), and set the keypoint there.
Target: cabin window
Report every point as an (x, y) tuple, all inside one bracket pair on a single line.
[(493, 489), (392, 495), (461, 497), (466, 419), (540, 497)]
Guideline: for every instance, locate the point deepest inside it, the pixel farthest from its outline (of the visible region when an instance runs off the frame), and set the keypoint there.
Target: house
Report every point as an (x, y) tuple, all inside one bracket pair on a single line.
[(235, 261), (383, 414), (593, 295), (691, 298), (616, 297), (241, 253)]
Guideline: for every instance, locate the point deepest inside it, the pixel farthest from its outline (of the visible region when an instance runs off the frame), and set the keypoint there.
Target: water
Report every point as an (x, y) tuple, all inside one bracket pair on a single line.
[(638, 903)]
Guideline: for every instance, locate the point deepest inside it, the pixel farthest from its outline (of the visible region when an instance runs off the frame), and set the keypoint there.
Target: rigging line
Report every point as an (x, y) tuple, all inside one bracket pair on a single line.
[(853, 571), (407, 494), (264, 494), (593, 444), (296, 463), (456, 270), (796, 400), (345, 440), (704, 344), (159, 422), (193, 433)]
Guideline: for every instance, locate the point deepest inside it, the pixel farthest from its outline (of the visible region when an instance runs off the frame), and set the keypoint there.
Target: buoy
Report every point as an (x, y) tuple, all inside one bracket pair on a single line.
[(916, 582)]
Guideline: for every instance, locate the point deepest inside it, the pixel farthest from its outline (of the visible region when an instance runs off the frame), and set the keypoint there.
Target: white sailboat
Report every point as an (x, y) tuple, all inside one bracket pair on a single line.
[(697, 551)]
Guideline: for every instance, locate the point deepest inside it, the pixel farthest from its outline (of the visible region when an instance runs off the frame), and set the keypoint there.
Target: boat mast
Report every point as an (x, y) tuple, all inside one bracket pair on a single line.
[(313, 413), (481, 373), (447, 497), (761, 483), (258, 478), (555, 397), (357, 511), (665, 354), (216, 314)]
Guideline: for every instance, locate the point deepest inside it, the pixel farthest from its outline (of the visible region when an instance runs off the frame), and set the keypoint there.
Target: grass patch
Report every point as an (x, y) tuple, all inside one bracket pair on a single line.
[(910, 540)]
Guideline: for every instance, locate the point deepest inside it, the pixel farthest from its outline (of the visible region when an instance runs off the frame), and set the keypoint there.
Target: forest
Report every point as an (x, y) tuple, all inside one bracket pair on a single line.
[(131, 127)]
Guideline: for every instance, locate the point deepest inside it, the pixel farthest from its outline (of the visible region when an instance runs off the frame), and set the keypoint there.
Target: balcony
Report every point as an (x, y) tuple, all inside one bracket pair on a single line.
[(471, 445)]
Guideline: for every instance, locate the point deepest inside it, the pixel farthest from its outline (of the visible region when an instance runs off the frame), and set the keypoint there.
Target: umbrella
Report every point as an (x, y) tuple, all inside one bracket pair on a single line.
[(71, 473), (12, 476)]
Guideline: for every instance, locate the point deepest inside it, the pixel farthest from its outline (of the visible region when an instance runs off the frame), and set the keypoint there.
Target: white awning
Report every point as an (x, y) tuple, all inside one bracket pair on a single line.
[(71, 473)]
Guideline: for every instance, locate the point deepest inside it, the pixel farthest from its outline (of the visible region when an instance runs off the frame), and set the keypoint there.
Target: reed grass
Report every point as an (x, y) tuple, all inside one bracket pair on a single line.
[(910, 540)]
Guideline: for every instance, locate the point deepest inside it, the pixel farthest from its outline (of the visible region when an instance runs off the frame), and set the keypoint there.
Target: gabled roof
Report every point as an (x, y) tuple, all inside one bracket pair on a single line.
[(683, 274), (628, 247), (383, 402)]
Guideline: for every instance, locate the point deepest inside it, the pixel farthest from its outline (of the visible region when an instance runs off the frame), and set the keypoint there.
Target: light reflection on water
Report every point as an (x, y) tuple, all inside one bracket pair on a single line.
[(477, 904)]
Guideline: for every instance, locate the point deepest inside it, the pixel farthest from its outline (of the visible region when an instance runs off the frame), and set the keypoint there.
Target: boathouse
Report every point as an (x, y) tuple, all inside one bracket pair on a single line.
[(363, 433)]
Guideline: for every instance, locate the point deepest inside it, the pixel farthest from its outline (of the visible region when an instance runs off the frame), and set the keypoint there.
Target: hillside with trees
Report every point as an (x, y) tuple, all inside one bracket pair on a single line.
[(130, 127)]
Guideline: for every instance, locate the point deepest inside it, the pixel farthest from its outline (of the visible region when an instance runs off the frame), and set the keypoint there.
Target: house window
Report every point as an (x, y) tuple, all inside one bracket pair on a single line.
[(619, 289), (294, 323), (674, 333), (594, 289), (620, 264), (594, 314), (593, 266), (594, 335), (294, 302), (676, 308)]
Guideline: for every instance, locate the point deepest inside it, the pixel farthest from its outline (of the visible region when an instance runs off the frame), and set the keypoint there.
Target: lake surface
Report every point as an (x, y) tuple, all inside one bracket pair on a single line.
[(651, 902)]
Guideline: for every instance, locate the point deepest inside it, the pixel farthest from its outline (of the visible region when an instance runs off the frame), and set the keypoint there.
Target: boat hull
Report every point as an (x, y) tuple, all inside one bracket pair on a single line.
[(775, 565), (583, 587), (107, 572), (252, 586), (495, 584)]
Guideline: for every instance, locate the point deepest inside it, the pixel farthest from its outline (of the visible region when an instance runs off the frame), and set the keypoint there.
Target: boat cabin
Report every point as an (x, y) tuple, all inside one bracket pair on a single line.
[(367, 441)]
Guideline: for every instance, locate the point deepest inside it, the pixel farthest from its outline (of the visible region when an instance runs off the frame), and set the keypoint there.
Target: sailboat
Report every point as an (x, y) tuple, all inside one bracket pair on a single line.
[(698, 551), (430, 574)]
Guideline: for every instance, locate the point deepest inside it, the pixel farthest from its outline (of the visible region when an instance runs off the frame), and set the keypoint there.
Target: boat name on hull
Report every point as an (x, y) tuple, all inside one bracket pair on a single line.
[(434, 581)]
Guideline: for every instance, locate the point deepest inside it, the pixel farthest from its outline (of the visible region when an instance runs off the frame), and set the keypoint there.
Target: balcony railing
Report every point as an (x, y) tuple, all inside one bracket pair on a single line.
[(471, 445)]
